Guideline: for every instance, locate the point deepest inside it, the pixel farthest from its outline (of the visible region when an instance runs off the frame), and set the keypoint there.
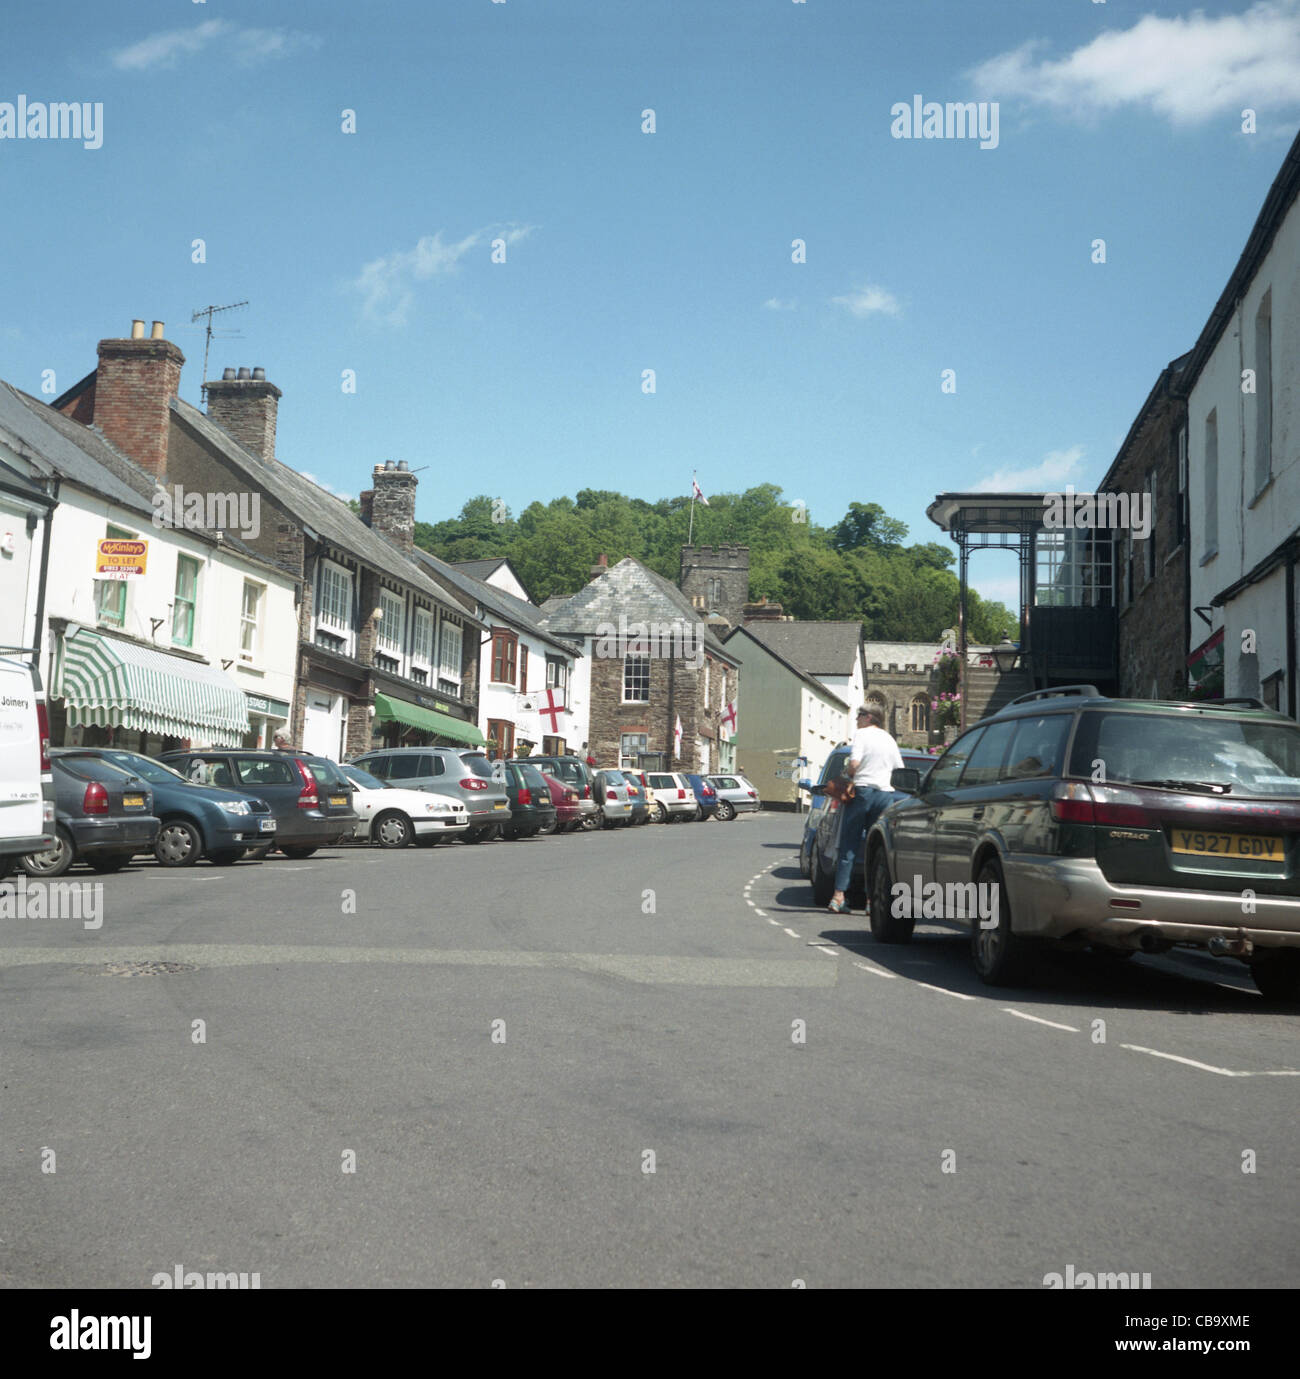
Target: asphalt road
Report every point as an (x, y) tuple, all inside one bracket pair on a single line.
[(510, 1037)]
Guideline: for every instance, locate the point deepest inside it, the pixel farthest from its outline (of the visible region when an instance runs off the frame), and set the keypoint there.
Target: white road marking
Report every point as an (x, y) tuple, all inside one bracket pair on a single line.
[(960, 995), (823, 948), (792, 933), (1210, 1068), (777, 922), (1038, 1020), (757, 911), (875, 971)]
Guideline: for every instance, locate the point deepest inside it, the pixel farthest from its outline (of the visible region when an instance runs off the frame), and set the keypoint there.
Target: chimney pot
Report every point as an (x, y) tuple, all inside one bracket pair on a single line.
[(402, 465), (243, 373), (227, 373), (157, 332), (137, 330), (259, 374)]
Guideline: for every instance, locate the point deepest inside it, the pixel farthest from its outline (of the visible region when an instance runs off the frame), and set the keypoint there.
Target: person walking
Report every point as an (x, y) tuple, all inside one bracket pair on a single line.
[(873, 757)]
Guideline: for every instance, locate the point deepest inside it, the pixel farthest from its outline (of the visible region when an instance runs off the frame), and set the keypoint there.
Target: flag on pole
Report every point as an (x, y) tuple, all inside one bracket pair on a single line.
[(728, 721), (677, 737), (698, 492)]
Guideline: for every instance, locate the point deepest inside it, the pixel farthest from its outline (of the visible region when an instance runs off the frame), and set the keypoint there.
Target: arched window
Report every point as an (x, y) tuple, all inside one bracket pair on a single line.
[(920, 714), (715, 592)]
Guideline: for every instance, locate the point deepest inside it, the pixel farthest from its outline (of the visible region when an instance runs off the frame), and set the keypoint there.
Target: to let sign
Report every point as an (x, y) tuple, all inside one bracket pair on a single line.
[(116, 558)]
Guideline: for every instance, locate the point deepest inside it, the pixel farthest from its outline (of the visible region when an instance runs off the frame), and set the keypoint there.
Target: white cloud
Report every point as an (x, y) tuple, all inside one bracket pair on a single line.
[(1186, 68), (386, 283), (868, 300), (1057, 467), (248, 46), (329, 488), (779, 304)]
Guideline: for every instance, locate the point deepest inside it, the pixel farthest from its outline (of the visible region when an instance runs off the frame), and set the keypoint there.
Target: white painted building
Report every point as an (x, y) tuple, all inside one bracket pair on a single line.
[(1242, 468), (199, 647)]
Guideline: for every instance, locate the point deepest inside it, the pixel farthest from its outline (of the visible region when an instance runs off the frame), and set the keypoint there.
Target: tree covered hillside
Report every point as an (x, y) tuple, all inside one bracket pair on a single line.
[(859, 569)]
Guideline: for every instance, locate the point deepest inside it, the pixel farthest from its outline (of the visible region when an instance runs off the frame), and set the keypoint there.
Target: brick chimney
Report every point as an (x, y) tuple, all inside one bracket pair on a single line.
[(601, 566), (392, 509), (366, 502), (245, 405), (762, 611), (135, 382)]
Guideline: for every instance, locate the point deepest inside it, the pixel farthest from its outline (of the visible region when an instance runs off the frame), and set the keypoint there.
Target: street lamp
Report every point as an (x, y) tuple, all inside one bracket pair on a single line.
[(1006, 654)]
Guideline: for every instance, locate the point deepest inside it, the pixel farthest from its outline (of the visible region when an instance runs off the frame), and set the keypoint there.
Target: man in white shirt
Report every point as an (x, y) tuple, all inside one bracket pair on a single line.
[(873, 758)]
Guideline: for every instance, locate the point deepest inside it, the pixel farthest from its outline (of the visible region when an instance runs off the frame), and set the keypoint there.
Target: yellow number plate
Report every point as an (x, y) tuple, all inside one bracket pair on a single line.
[(133, 801), (1240, 845), (338, 799)]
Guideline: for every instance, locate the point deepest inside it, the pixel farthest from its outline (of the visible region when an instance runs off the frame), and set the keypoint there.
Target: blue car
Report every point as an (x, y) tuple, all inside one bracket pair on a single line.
[(197, 820), (706, 797)]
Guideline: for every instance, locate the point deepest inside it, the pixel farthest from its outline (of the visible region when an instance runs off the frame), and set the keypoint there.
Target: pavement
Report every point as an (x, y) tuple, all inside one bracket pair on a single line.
[(632, 1058)]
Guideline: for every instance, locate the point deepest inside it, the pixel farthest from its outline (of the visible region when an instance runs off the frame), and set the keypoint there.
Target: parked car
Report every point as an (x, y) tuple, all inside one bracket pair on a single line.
[(640, 793), (395, 818), (309, 795), (564, 797), (27, 793), (611, 793), (736, 795), (1197, 805), (196, 820), (574, 771), (531, 809), (706, 797), (674, 800), (460, 773), (103, 816), (827, 787)]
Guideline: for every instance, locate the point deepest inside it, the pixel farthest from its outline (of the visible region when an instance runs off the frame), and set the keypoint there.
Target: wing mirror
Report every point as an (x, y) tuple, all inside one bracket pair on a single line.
[(906, 779)]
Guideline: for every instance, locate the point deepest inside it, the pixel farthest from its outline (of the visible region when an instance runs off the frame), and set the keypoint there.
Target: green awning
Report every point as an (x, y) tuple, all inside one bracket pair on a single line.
[(116, 684), (391, 710)]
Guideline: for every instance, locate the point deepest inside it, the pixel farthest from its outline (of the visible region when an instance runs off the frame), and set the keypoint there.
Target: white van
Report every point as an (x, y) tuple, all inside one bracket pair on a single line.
[(26, 779)]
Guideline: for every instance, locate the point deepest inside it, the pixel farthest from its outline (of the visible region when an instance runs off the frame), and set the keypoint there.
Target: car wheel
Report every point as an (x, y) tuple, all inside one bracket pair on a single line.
[(591, 822), (227, 857), (258, 854), (297, 853), (1001, 955), (54, 862), (886, 926), (549, 828), (478, 835), (726, 811), (823, 882), (114, 861), (392, 829), (1276, 973), (658, 812), (179, 844)]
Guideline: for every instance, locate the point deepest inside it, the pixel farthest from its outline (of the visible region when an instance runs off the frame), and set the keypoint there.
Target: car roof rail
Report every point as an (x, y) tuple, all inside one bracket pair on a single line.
[(1224, 703), (1059, 691)]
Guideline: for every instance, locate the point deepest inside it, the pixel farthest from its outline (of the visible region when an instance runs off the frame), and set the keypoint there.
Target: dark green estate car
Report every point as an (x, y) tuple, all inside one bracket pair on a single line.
[(1125, 825)]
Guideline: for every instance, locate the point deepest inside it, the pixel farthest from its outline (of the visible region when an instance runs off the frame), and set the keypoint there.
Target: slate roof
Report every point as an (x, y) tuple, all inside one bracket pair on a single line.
[(901, 654), (803, 675), (820, 648), (515, 611), (478, 569), (326, 516), (83, 456), (633, 591)]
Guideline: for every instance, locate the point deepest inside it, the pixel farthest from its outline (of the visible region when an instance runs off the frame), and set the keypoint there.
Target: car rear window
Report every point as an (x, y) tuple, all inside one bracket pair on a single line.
[(327, 774), (725, 783), (662, 782), (1251, 757), (377, 766), (1038, 747), (259, 771), (479, 765), (364, 779), (94, 768)]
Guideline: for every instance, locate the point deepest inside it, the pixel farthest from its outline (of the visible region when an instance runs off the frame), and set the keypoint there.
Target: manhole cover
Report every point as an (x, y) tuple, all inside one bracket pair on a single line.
[(145, 969)]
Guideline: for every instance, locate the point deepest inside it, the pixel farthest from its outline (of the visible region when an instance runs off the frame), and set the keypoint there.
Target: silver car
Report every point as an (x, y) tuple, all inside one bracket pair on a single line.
[(614, 798), (736, 795), (460, 773)]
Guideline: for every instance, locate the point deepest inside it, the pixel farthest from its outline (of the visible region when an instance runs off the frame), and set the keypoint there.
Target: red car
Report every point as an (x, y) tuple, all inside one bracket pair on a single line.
[(565, 799)]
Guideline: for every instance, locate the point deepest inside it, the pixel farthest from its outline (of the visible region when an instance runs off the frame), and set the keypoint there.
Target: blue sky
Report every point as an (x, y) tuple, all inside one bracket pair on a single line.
[(670, 251)]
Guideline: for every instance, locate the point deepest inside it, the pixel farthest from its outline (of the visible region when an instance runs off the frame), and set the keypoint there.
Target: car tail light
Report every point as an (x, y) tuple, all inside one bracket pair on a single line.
[(571, 797), (95, 800), (307, 796), (644, 783), (1073, 802), (525, 795), (681, 794), (586, 792), (473, 783), (43, 727), (753, 794)]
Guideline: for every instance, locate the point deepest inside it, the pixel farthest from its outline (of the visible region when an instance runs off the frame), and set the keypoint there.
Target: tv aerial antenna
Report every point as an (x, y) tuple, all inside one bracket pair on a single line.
[(210, 312)]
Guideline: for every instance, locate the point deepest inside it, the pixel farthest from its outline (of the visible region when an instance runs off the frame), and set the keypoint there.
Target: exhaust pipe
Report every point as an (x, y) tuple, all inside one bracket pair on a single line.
[(1150, 942), (1221, 946)]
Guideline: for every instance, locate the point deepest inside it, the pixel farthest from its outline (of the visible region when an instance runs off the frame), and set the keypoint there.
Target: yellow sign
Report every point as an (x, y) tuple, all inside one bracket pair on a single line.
[(120, 559)]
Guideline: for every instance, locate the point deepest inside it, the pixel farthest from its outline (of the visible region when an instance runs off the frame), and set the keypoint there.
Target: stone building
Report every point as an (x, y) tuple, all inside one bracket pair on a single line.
[(900, 679), (648, 659), (715, 580), (1151, 575)]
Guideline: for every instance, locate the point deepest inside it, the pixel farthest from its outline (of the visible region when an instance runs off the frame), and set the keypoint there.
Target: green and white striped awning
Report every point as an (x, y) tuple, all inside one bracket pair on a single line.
[(116, 684)]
